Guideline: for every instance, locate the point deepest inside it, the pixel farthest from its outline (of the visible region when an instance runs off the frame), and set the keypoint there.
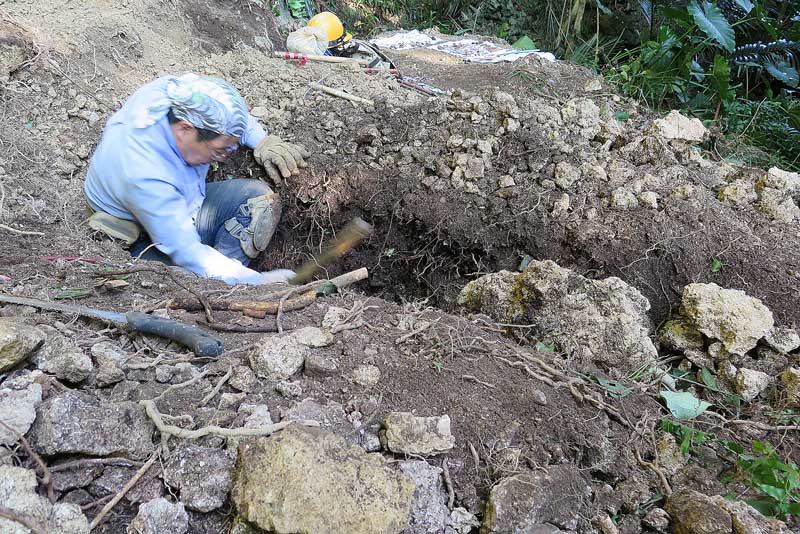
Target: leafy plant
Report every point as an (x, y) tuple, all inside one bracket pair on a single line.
[(687, 435), (777, 480), (684, 405), (716, 265)]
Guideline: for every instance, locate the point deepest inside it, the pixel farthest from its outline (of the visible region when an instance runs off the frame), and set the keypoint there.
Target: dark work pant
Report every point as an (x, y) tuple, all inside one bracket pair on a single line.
[(222, 202)]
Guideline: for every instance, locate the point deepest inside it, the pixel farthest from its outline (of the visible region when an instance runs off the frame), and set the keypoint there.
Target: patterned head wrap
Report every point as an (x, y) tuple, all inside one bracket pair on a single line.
[(203, 101)]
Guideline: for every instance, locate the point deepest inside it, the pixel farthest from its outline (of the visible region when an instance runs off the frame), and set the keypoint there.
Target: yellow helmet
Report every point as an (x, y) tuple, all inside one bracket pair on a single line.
[(333, 27)]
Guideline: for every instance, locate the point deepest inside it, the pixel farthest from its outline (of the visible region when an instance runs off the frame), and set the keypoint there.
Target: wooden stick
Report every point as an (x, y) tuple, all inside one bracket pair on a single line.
[(349, 238), (125, 489), (260, 308), (322, 59), (19, 232), (341, 94)]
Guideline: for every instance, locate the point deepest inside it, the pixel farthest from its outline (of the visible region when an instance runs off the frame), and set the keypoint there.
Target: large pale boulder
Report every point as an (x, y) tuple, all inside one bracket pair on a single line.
[(309, 480), (728, 315), (556, 497), (695, 513), (601, 322), (409, 434), (79, 423), (680, 127), (17, 342)]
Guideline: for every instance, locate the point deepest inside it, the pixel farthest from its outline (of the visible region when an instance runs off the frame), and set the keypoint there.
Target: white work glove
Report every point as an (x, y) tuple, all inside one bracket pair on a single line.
[(279, 158), (276, 276)]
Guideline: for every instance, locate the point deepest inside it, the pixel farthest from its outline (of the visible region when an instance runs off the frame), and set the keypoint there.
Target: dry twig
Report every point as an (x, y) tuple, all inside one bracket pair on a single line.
[(219, 385), (666, 488), (448, 482), (25, 521), (19, 232), (125, 489)]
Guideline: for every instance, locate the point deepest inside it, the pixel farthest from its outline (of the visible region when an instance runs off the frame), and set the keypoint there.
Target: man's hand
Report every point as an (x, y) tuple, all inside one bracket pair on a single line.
[(279, 158), (276, 276)]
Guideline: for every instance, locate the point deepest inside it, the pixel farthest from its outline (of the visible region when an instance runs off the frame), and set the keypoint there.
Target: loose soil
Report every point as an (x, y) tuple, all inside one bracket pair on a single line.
[(431, 235)]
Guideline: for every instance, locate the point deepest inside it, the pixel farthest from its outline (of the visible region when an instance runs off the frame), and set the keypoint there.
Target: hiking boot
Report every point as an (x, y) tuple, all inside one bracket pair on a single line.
[(264, 213), (127, 231)]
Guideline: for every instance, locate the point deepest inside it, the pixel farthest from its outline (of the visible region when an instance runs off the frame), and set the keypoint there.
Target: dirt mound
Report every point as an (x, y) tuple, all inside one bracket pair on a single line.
[(526, 159)]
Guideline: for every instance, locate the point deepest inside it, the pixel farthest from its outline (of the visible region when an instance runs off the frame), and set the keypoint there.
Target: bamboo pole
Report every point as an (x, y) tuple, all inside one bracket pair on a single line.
[(341, 94), (323, 59)]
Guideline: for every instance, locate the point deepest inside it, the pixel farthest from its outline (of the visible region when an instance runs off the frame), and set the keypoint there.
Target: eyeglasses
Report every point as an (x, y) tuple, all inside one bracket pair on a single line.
[(219, 154)]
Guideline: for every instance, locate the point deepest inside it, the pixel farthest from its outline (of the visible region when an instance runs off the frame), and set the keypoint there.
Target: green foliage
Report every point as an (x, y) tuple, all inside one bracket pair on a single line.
[(687, 435), (712, 22), (777, 480), (684, 405), (716, 265)]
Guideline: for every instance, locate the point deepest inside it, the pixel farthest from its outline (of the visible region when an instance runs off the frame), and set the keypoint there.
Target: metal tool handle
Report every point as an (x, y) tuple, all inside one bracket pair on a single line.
[(201, 342)]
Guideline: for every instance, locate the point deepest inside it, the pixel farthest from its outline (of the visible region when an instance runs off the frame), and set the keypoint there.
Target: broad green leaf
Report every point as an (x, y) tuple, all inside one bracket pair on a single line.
[(783, 71), (684, 405), (716, 265), (708, 378), (710, 19), (524, 43), (776, 493), (678, 15), (763, 506), (747, 5), (622, 116)]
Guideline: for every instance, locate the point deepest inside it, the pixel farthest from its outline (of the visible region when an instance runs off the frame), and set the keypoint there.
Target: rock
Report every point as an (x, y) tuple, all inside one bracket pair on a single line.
[(429, 513), (109, 350), (320, 366), (747, 520), (648, 199), (67, 518), (109, 372), (677, 126), (408, 434), (475, 169), (566, 175), (289, 389), (539, 397), (491, 295), (242, 379), (623, 199), (749, 383), (656, 519), (602, 322), (739, 192), (561, 204), (506, 181), (278, 357), (728, 315), (202, 475), (229, 401), (694, 513), (308, 480), (331, 417), (311, 336), (461, 521), (18, 410), (593, 86), (77, 477), (78, 423), (670, 456), (366, 375), (699, 359), (790, 379), (160, 516), (583, 116), (556, 496), (781, 180), (115, 477), (782, 339), (18, 493), (259, 417), (777, 205), (61, 357), (679, 335), (17, 342), (165, 373)]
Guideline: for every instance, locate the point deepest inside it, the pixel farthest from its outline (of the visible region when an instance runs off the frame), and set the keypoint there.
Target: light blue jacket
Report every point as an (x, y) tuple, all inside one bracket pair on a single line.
[(139, 175)]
